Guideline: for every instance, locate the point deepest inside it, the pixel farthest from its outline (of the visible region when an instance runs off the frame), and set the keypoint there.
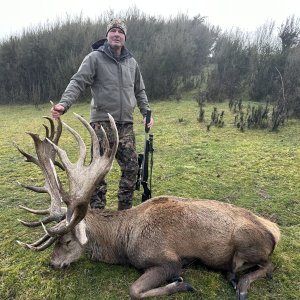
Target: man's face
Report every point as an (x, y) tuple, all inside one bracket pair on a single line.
[(116, 38)]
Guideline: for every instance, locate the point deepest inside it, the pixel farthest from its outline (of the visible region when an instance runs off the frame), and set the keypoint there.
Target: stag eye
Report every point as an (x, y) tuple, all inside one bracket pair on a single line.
[(68, 242)]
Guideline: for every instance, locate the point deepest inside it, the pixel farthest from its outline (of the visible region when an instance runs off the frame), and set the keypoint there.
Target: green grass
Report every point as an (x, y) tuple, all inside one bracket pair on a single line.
[(256, 169)]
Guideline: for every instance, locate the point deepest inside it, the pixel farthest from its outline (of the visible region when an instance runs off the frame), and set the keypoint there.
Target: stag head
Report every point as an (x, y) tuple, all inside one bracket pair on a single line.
[(82, 180), (69, 247)]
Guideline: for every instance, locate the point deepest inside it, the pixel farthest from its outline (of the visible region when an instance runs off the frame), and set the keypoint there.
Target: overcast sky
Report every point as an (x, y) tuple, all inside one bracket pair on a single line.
[(247, 15)]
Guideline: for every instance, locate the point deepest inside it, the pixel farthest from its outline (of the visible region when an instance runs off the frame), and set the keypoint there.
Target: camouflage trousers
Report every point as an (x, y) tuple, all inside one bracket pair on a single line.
[(127, 159)]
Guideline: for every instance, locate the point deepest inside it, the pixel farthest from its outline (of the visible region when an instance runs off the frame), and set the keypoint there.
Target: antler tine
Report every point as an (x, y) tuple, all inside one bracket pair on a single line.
[(116, 136), (54, 134), (47, 130), (95, 141), (40, 241), (29, 157), (35, 211), (41, 148), (82, 147), (58, 164), (52, 128), (43, 243), (48, 219), (109, 153), (66, 163), (46, 154), (37, 189)]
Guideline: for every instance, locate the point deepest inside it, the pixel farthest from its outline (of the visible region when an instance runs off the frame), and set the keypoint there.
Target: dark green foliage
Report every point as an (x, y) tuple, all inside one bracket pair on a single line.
[(258, 67), (172, 52), (235, 105), (201, 114), (254, 118), (175, 55), (38, 65), (279, 115), (291, 75), (200, 98), (230, 60), (258, 117), (265, 53), (216, 118), (289, 33), (275, 66)]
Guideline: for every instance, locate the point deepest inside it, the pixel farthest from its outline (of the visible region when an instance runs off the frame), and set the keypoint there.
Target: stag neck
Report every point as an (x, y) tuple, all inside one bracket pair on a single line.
[(106, 232)]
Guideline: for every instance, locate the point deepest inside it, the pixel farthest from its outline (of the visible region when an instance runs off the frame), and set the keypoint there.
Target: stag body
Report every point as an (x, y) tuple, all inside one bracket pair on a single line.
[(158, 236)]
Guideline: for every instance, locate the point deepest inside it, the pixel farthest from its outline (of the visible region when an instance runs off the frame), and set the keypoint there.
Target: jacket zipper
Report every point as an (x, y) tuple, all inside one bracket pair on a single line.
[(120, 84), (120, 89)]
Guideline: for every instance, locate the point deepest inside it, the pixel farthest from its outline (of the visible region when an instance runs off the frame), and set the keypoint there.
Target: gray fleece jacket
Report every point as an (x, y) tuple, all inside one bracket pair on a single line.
[(116, 85)]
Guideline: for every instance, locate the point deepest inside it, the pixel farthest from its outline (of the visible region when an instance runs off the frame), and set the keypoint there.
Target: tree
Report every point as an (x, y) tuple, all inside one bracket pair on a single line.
[(289, 33)]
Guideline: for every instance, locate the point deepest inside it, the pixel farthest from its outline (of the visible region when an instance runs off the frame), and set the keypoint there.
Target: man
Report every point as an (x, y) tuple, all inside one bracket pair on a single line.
[(117, 87)]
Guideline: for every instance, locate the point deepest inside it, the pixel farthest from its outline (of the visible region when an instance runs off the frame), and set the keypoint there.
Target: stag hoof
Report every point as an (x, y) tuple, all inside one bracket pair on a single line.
[(184, 286), (231, 277), (242, 296), (189, 288), (177, 279), (242, 288), (233, 283)]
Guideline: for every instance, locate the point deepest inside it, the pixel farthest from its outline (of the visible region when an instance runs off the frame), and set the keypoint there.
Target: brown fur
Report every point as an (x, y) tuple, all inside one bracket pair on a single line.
[(165, 231)]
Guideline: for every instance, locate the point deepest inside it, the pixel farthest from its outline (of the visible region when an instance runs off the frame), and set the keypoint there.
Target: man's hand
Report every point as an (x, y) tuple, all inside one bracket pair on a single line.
[(57, 110), (150, 124)]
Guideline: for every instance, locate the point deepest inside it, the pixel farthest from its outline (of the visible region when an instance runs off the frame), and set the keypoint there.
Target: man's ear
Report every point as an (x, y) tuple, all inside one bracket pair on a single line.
[(80, 233)]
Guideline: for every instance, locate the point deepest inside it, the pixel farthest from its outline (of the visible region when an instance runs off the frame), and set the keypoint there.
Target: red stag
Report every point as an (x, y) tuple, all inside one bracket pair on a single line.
[(159, 236)]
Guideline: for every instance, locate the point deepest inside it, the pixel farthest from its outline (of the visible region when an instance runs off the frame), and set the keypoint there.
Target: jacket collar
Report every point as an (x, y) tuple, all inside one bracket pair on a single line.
[(103, 46)]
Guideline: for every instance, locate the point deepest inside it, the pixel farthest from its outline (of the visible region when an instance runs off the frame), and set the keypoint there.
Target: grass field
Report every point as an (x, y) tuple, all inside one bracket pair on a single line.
[(257, 169)]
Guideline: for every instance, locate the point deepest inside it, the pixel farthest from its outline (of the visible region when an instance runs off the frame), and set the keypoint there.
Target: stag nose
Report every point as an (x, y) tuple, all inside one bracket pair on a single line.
[(57, 266), (51, 265)]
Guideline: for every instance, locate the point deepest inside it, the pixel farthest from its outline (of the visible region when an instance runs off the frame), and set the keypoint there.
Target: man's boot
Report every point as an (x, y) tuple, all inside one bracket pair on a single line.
[(125, 199), (124, 205)]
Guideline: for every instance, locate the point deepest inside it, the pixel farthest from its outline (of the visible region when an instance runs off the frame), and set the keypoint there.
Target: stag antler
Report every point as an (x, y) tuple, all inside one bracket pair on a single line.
[(82, 179), (55, 212)]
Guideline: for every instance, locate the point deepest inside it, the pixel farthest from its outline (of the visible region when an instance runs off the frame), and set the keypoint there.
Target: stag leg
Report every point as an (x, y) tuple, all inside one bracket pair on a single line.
[(148, 284), (231, 277), (246, 280)]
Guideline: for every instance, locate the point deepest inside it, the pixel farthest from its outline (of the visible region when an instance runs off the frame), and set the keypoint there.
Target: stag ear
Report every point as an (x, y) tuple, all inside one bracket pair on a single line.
[(80, 233)]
